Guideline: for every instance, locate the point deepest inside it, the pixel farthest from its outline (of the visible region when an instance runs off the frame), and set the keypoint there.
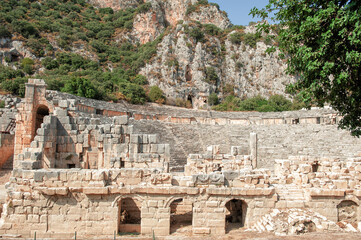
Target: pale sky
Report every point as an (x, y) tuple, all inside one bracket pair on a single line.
[(238, 10)]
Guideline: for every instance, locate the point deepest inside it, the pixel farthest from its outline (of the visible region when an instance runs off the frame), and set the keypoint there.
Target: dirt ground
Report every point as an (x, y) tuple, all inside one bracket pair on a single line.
[(184, 234)]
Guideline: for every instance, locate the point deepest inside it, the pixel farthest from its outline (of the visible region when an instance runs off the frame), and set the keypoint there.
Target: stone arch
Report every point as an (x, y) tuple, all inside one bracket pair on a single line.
[(235, 214), (129, 215), (169, 201), (40, 113), (136, 197), (347, 211)]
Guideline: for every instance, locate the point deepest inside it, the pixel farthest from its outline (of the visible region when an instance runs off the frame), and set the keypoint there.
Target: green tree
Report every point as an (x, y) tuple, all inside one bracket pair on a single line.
[(322, 40), (279, 103), (81, 87), (133, 93)]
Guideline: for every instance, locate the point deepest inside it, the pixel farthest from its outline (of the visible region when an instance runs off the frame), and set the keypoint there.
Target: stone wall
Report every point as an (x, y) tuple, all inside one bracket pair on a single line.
[(276, 141), (280, 135), (60, 202), (94, 168)]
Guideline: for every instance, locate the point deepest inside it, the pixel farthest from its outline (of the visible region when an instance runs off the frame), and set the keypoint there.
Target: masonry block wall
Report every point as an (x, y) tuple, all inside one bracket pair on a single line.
[(94, 168)]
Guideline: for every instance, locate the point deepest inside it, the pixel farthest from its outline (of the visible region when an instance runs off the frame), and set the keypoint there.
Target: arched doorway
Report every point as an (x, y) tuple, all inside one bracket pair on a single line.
[(41, 112), (129, 216), (347, 212), (181, 216), (236, 211)]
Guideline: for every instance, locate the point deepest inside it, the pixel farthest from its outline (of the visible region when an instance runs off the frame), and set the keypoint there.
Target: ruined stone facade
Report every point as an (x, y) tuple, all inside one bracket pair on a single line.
[(97, 168)]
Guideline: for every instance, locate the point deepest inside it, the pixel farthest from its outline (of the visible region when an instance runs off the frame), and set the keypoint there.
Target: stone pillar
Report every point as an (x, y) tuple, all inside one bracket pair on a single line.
[(35, 91), (253, 148)]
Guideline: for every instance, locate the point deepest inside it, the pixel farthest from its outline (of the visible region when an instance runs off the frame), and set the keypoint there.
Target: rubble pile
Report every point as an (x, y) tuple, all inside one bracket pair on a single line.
[(299, 221)]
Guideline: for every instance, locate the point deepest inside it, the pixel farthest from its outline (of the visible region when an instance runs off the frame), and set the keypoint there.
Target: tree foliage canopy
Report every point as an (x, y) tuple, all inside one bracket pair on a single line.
[(322, 42)]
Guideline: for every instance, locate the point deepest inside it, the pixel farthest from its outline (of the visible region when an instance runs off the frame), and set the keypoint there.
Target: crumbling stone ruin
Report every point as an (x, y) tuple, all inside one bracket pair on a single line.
[(96, 168)]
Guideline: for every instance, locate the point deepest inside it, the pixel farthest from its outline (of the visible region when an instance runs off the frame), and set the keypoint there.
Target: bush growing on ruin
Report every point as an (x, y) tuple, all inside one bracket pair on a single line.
[(156, 95), (2, 104)]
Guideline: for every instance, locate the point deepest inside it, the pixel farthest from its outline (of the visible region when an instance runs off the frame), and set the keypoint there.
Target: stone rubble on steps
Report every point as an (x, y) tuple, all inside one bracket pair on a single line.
[(299, 221)]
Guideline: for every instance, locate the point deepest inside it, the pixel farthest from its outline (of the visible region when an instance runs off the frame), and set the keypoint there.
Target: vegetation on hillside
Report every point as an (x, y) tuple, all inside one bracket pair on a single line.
[(56, 32), (51, 28)]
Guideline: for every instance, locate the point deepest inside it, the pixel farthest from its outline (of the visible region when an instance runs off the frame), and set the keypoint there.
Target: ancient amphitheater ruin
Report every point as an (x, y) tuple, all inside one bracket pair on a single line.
[(96, 168)]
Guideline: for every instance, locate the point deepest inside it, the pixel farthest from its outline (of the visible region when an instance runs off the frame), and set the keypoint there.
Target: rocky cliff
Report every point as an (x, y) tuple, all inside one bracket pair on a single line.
[(179, 67), (198, 51)]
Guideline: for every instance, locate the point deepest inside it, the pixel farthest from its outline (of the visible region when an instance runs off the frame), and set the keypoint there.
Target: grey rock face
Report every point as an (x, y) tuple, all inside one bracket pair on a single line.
[(179, 68)]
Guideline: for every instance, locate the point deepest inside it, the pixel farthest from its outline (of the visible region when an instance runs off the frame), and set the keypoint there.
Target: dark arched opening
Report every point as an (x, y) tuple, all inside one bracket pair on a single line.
[(129, 216), (236, 211), (41, 112), (347, 212), (189, 101), (181, 216)]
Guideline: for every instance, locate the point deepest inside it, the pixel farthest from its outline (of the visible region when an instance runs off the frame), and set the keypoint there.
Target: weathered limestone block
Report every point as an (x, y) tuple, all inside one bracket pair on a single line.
[(211, 179), (340, 184), (121, 120), (96, 190), (327, 193), (201, 231)]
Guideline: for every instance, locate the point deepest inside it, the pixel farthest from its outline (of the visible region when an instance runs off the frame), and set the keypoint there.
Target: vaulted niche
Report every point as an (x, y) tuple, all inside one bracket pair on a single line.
[(41, 112), (181, 216), (129, 220), (236, 211)]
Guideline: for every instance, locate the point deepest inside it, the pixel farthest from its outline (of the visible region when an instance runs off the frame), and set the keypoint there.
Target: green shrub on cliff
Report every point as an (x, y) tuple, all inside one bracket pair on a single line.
[(156, 95)]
